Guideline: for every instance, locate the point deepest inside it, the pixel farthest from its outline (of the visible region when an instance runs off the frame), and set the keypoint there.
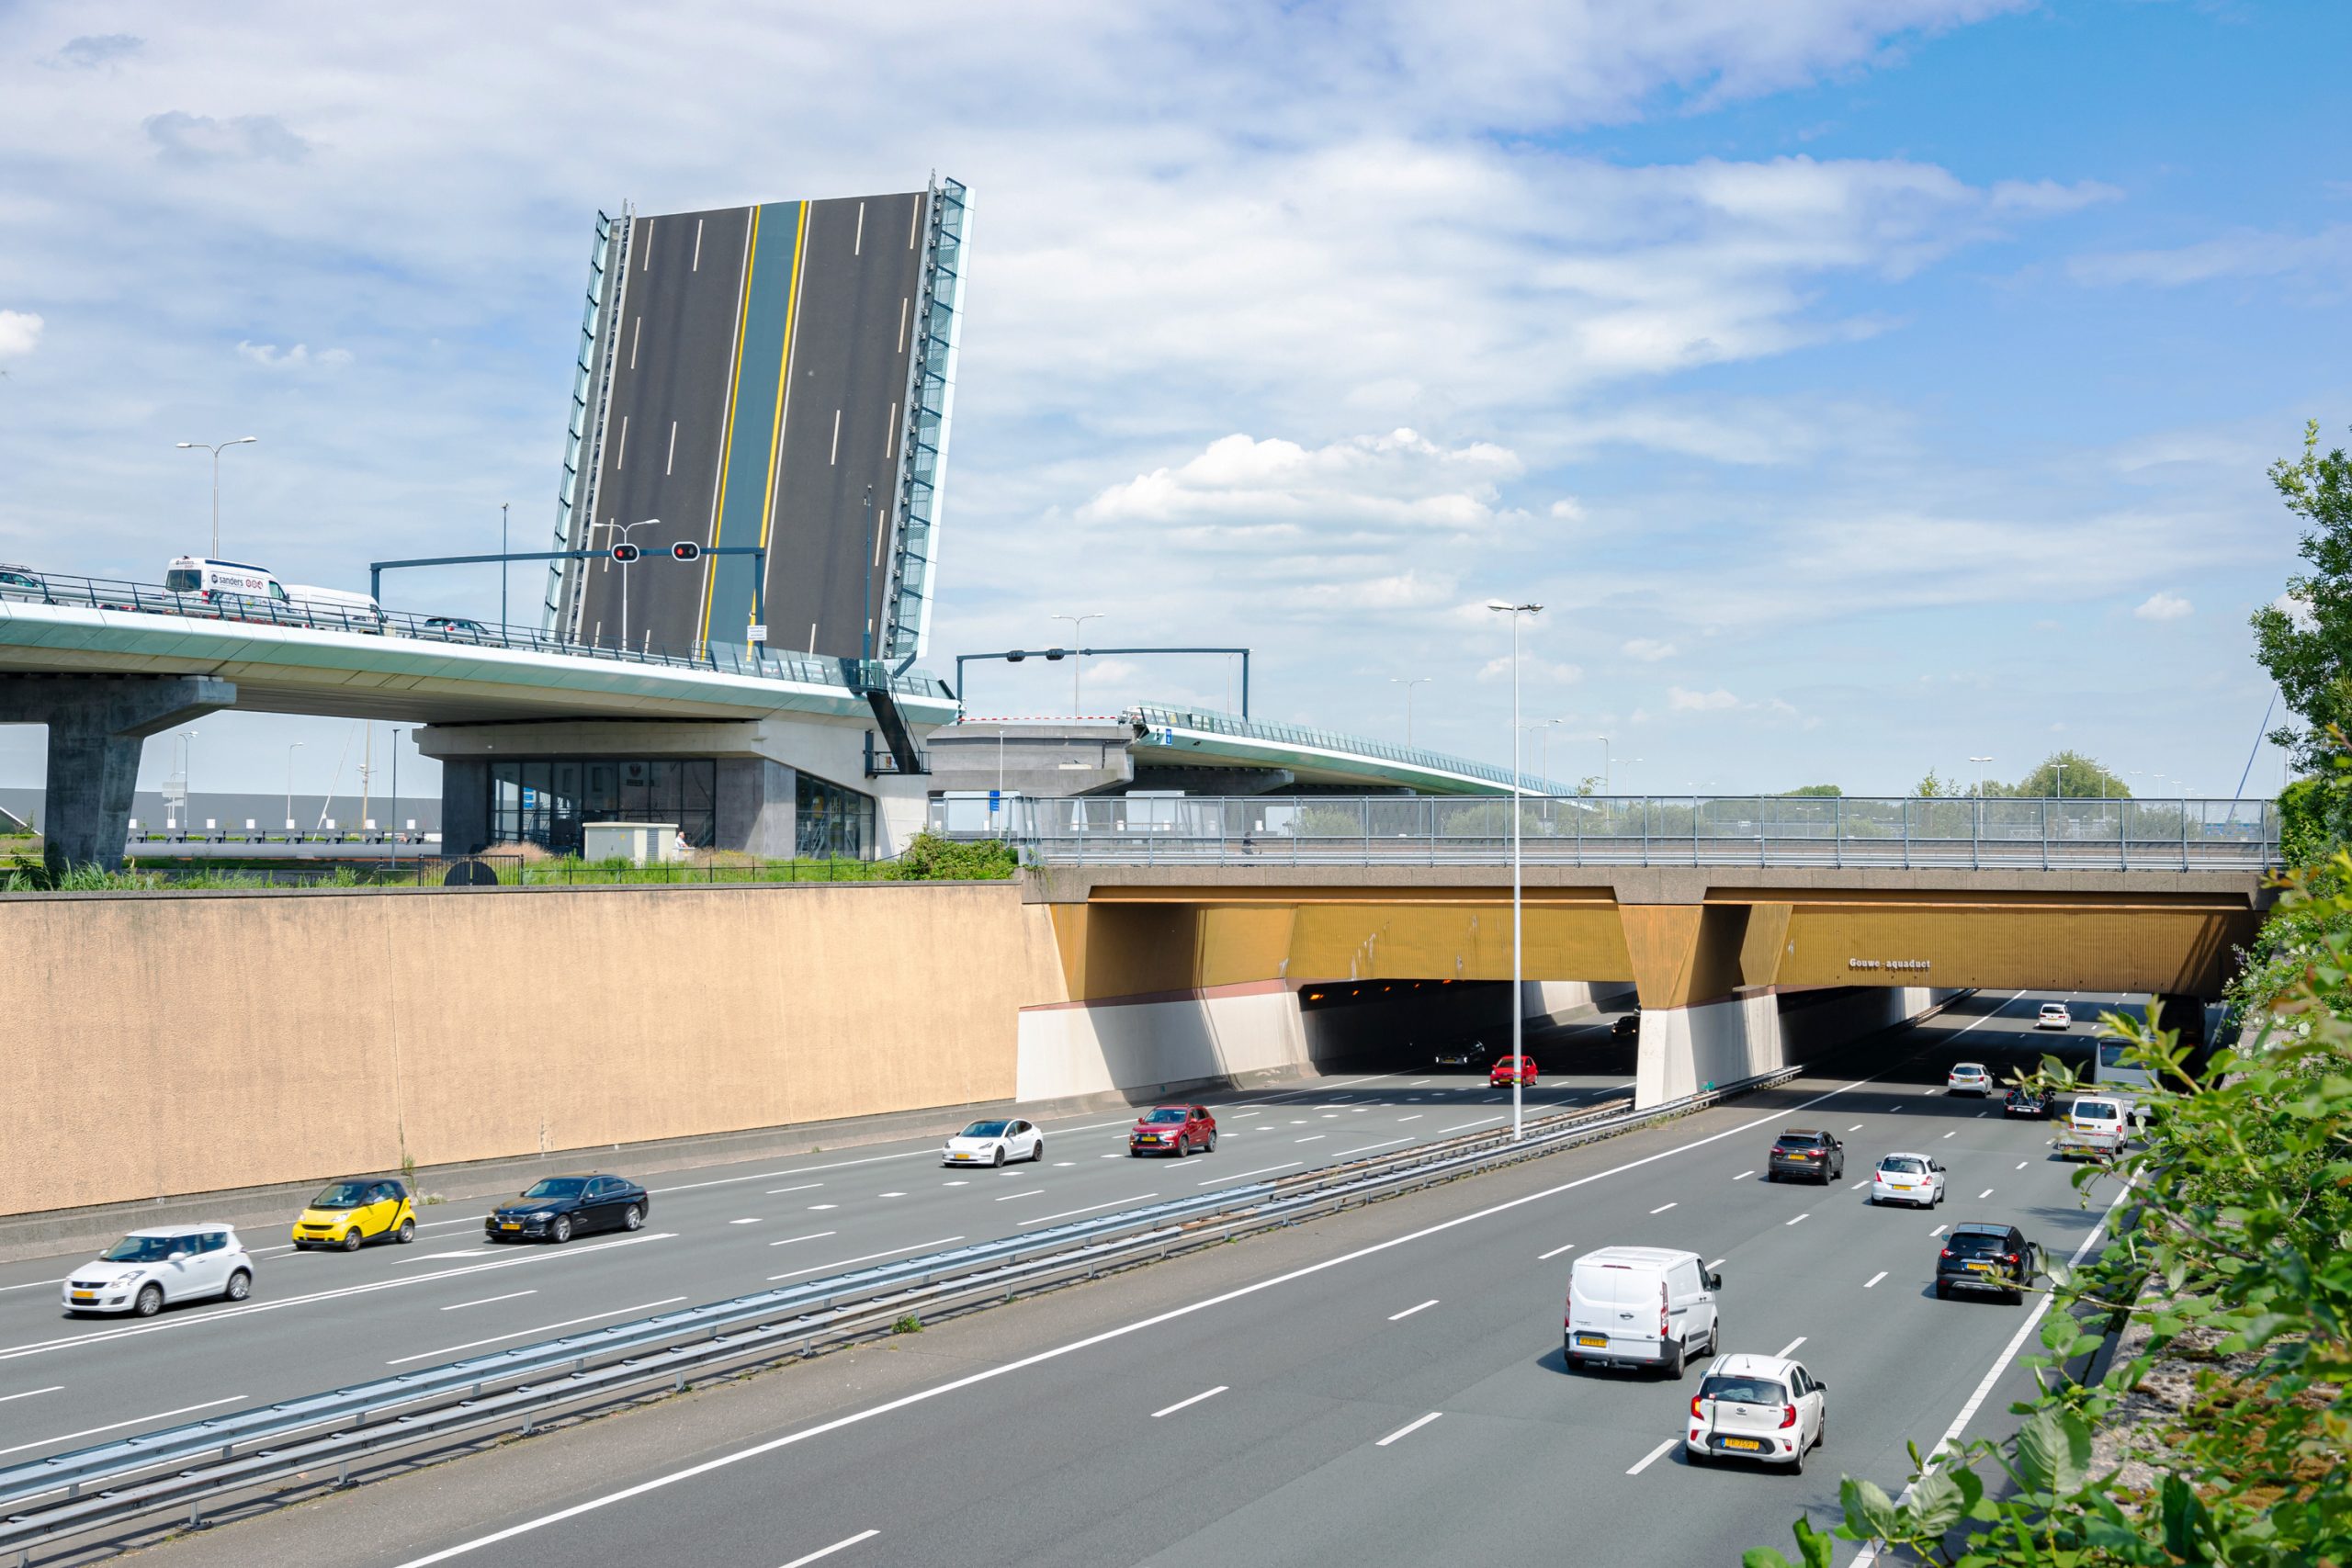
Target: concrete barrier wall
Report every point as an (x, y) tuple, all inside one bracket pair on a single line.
[(176, 1044), (1142, 1046), (1685, 1049)]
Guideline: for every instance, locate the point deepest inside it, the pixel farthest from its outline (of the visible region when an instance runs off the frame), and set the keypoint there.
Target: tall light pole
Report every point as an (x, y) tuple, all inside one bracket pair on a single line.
[(2062, 779), (1980, 762), (622, 529), (214, 447), (1517, 786), (505, 566), (1077, 658), (291, 748), (1542, 726), (396, 794), (1409, 682), (1604, 763)]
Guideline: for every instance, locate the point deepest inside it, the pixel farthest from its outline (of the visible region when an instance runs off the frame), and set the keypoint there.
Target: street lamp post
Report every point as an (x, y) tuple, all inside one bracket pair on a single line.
[(623, 529), (214, 447), (504, 569), (1077, 651), (1408, 683), (1980, 762), (396, 799), (1518, 787), (291, 748), (2062, 779)]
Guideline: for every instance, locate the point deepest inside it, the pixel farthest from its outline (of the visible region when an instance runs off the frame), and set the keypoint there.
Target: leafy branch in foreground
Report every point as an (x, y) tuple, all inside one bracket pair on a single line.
[(2233, 1248)]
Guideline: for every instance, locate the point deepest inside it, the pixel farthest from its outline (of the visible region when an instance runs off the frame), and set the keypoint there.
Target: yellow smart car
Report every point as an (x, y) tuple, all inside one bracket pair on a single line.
[(349, 1212)]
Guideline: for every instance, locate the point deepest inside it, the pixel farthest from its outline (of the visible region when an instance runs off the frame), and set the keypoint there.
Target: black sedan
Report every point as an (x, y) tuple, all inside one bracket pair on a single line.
[(556, 1208), (1475, 1054), (1978, 1257), (2024, 1100), (1627, 1026), (1800, 1151)]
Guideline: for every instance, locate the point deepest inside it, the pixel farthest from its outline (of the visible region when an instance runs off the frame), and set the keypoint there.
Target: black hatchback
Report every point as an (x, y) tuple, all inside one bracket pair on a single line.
[(1979, 1257), (2024, 1100), (557, 1208), (1801, 1151)]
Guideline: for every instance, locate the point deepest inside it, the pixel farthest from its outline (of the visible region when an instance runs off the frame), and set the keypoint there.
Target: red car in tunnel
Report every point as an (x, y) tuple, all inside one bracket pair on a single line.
[(1508, 1069)]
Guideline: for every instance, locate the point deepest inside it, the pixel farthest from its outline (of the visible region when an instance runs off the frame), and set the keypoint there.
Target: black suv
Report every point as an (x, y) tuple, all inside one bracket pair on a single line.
[(1802, 1152), (1986, 1258), (2024, 1100)]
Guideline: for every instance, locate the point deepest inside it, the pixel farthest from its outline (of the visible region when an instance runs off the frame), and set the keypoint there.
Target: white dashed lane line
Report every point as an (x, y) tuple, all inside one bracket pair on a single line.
[(1542, 1256), (1400, 1316), (1800, 1219), (1743, 1176), (804, 1187), (1652, 1457), (1873, 1280), (812, 1236), (1408, 1428), (864, 1258), (1790, 1348), (1113, 1204), (1210, 1393), (1414, 1117), (1243, 1175), (824, 1551), (750, 1222), (1987, 1193), (1662, 1208), (1315, 1138), (1011, 1196), (485, 1301)]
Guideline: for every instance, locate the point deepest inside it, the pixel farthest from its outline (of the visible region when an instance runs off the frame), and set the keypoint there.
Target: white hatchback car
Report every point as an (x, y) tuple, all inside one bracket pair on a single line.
[(1759, 1407), (1968, 1077), (2053, 1015), (167, 1263), (1909, 1179), (993, 1143)]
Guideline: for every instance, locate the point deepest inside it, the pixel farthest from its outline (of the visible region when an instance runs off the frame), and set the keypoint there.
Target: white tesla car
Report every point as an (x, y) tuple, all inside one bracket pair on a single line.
[(993, 1143), (1759, 1407), (1907, 1179)]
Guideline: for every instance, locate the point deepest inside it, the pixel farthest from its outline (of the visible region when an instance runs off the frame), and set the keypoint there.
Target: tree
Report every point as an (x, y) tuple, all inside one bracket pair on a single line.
[(1931, 787), (2081, 777), (1816, 789), (2304, 640)]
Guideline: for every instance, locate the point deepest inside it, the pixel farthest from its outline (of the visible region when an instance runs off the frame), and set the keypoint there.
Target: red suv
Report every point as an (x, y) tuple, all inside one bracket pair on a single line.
[(1513, 1069), (1173, 1128)]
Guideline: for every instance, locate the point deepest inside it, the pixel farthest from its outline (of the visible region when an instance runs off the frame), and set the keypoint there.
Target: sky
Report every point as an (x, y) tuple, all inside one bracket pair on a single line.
[(1861, 386)]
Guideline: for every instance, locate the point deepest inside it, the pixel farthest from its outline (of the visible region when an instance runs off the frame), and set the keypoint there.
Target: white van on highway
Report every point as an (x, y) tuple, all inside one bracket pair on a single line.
[(333, 608), (1640, 1307)]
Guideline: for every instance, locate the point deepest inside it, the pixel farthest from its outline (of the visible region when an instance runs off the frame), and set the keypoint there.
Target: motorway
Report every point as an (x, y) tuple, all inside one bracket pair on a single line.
[(321, 1320), (1383, 1385)]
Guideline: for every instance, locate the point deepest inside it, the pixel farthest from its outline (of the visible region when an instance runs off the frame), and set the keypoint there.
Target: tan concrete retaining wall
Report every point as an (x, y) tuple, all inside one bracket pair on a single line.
[(188, 1042)]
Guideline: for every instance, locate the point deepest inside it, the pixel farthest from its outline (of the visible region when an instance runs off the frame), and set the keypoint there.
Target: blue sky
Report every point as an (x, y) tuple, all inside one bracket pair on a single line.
[(1863, 384)]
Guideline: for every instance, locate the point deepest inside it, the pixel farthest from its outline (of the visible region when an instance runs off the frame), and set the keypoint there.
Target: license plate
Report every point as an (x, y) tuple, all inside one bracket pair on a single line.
[(1749, 1443), (1900, 1185), (1597, 1342), (1980, 1267), (85, 1295), (510, 1224)]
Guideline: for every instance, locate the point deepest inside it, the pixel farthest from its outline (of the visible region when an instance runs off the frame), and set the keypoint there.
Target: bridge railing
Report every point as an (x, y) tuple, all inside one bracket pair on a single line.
[(147, 598), (1635, 830), (1164, 725)]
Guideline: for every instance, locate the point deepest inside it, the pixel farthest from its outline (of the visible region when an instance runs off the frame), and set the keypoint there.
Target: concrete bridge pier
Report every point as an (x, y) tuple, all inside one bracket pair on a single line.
[(97, 724)]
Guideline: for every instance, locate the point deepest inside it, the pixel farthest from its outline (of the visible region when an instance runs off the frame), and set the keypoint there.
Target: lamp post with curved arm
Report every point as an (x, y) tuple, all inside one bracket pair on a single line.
[(214, 447), (1518, 790)]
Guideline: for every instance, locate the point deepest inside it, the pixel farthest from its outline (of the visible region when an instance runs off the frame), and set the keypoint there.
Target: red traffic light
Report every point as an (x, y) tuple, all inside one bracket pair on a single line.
[(624, 554), (685, 549)]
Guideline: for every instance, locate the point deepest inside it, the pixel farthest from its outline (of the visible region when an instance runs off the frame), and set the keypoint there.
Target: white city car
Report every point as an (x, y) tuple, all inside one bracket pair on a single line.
[(1907, 1179), (169, 1263), (993, 1143), (1759, 1407), (1969, 1078), (2053, 1015)]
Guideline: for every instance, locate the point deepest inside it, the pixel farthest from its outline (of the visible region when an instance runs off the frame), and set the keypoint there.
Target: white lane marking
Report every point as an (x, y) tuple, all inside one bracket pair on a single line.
[(2021, 1165), (1360, 1148), (864, 1258), (1298, 1122), (1858, 1186), (1400, 1316), (955, 1184), (1743, 1176), (1414, 1117), (1800, 1219), (1408, 1428), (670, 463), (1545, 1256), (1790, 1348), (1719, 1263), (835, 456), (1011, 1196), (114, 1425), (52, 1388), (1873, 1280), (1893, 1110), (804, 1187), (812, 1236), (852, 1540), (1181, 1404), (1868, 1555), (696, 265), (1417, 1083), (1113, 1204), (1987, 1193), (1662, 1208), (989, 1375), (1115, 1157), (754, 1220), (620, 455), (1064, 1164), (857, 248), (1652, 1457), (230, 1315), (634, 334), (1937, 1231), (1953, 1133), (1316, 1138), (904, 300), (1241, 1175), (1855, 1128), (900, 1194), (814, 1208), (1243, 1115), (1982, 1114), (929, 1153), (1458, 1126), (520, 1333), (485, 1301), (440, 1256)]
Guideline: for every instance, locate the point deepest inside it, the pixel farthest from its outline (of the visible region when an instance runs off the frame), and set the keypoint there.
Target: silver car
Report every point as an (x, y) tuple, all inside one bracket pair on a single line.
[(148, 1269)]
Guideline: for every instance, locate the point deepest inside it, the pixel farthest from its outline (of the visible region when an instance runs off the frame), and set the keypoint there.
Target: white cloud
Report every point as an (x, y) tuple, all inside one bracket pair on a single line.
[(1569, 509), (19, 334), (275, 358), (2242, 253), (1649, 650), (189, 140), (1533, 671), (2162, 607), (2296, 609), (1245, 491), (1677, 700)]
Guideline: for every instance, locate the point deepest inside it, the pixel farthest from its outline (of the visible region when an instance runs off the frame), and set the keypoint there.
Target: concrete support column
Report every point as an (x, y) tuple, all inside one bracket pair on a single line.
[(97, 724), (465, 805)]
